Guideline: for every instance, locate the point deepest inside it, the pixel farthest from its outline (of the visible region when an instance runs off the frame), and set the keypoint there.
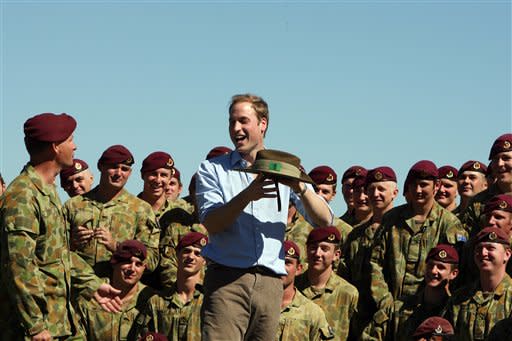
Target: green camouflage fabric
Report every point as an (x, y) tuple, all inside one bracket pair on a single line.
[(408, 314), (355, 268), (474, 313), (101, 325), (473, 217), (298, 231), (398, 256), (175, 212), (338, 299), (168, 315), (303, 320), (168, 258), (181, 203), (126, 216), (37, 265)]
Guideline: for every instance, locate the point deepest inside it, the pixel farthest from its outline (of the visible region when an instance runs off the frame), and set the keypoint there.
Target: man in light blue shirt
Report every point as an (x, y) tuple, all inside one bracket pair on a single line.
[(243, 290)]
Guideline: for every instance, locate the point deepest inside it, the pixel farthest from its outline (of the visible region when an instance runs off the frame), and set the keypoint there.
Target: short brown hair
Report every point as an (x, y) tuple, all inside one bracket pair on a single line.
[(258, 104)]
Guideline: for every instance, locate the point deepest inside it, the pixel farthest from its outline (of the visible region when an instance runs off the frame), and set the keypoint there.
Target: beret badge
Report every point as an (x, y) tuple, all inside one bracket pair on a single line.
[(476, 165), (291, 251), (170, 163), (78, 166), (493, 236), (503, 205), (202, 242), (442, 254), (129, 160), (149, 338), (331, 237), (506, 144), (449, 174), (378, 176), (439, 329), (330, 177)]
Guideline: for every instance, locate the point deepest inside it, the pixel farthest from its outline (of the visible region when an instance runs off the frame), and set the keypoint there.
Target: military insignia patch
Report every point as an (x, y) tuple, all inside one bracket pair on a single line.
[(330, 177), (378, 176), (503, 205), (78, 166), (149, 338), (170, 163), (506, 145), (449, 175), (493, 236), (331, 237), (439, 329), (476, 165), (291, 251), (442, 254), (203, 242), (129, 160)]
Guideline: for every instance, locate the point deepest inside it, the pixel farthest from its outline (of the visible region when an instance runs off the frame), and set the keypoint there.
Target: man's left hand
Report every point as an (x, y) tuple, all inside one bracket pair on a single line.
[(108, 297)]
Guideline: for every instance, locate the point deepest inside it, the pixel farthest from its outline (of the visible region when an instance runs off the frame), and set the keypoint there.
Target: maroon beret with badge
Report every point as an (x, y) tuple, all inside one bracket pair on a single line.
[(49, 127), (424, 169), (218, 151), (444, 253), (379, 174), (492, 235), (502, 144), (77, 167), (192, 238), (128, 249), (473, 166), (116, 154), (352, 172), (323, 175), (291, 249), (448, 172), (177, 174), (500, 202), (155, 161), (434, 325), (328, 234), (153, 336)]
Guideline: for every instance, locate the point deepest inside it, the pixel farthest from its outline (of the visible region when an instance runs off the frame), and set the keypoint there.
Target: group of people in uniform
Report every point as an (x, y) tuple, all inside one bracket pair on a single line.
[(254, 251)]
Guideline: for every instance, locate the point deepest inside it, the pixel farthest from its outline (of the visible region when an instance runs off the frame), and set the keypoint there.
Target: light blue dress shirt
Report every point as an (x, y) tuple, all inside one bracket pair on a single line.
[(256, 237)]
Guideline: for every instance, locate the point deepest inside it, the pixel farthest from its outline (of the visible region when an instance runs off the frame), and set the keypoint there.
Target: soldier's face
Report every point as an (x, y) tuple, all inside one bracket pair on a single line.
[(361, 201), (381, 194), (447, 192), (326, 191), (245, 129), (79, 183), (293, 269), (322, 255), (501, 220), (190, 261), (115, 175), (490, 257), (421, 192), (128, 273), (471, 183), (502, 167), (156, 181), (348, 192), (173, 189), (65, 151), (439, 273)]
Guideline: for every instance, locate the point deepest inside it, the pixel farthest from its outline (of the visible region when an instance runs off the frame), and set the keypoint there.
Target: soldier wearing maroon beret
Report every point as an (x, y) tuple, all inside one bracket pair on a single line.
[(76, 179), (490, 295), (362, 210), (152, 336), (348, 191), (434, 328), (498, 212), (471, 180), (109, 214), (447, 194)]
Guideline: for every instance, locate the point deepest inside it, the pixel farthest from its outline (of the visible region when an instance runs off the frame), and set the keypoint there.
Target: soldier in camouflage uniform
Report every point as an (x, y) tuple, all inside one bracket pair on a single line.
[(77, 179), (446, 196), (173, 192), (501, 167), (128, 266), (297, 229), (176, 311), (381, 187), (476, 308), (471, 180), (337, 297), (348, 192), (36, 264), (410, 311), (300, 318), (406, 235), (108, 215)]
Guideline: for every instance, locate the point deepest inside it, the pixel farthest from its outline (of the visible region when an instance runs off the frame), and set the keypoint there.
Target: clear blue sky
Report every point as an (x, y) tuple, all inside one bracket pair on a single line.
[(356, 82)]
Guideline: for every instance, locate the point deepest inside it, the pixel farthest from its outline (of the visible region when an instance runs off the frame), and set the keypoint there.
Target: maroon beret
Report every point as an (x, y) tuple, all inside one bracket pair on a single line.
[(177, 174), (192, 238), (77, 167), (328, 234), (323, 175), (501, 202), (492, 235), (423, 169), (448, 172), (380, 174), (291, 249), (473, 166), (444, 253), (49, 127), (434, 325), (155, 161), (352, 172), (153, 336), (218, 151), (116, 154), (502, 144), (359, 181), (128, 249)]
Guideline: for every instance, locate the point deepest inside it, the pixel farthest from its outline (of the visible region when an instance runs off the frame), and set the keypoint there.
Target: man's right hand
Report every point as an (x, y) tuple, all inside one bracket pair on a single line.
[(42, 336), (81, 236)]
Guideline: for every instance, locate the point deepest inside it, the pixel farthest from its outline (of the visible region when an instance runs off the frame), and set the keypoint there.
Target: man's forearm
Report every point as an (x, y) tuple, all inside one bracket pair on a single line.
[(222, 217), (316, 208)]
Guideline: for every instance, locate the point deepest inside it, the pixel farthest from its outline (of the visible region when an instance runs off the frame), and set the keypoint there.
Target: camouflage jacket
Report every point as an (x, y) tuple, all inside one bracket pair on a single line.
[(298, 231), (338, 300), (473, 217), (100, 325), (127, 217), (474, 313), (398, 257), (167, 314), (303, 320), (36, 263)]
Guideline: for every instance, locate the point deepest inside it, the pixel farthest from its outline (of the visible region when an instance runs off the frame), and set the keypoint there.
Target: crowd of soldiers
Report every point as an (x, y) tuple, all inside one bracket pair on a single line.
[(109, 265)]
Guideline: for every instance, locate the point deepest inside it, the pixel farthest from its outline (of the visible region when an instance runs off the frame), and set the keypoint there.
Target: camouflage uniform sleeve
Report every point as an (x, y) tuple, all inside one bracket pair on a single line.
[(378, 286), (148, 233), (20, 225), (83, 278), (168, 260), (320, 329)]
